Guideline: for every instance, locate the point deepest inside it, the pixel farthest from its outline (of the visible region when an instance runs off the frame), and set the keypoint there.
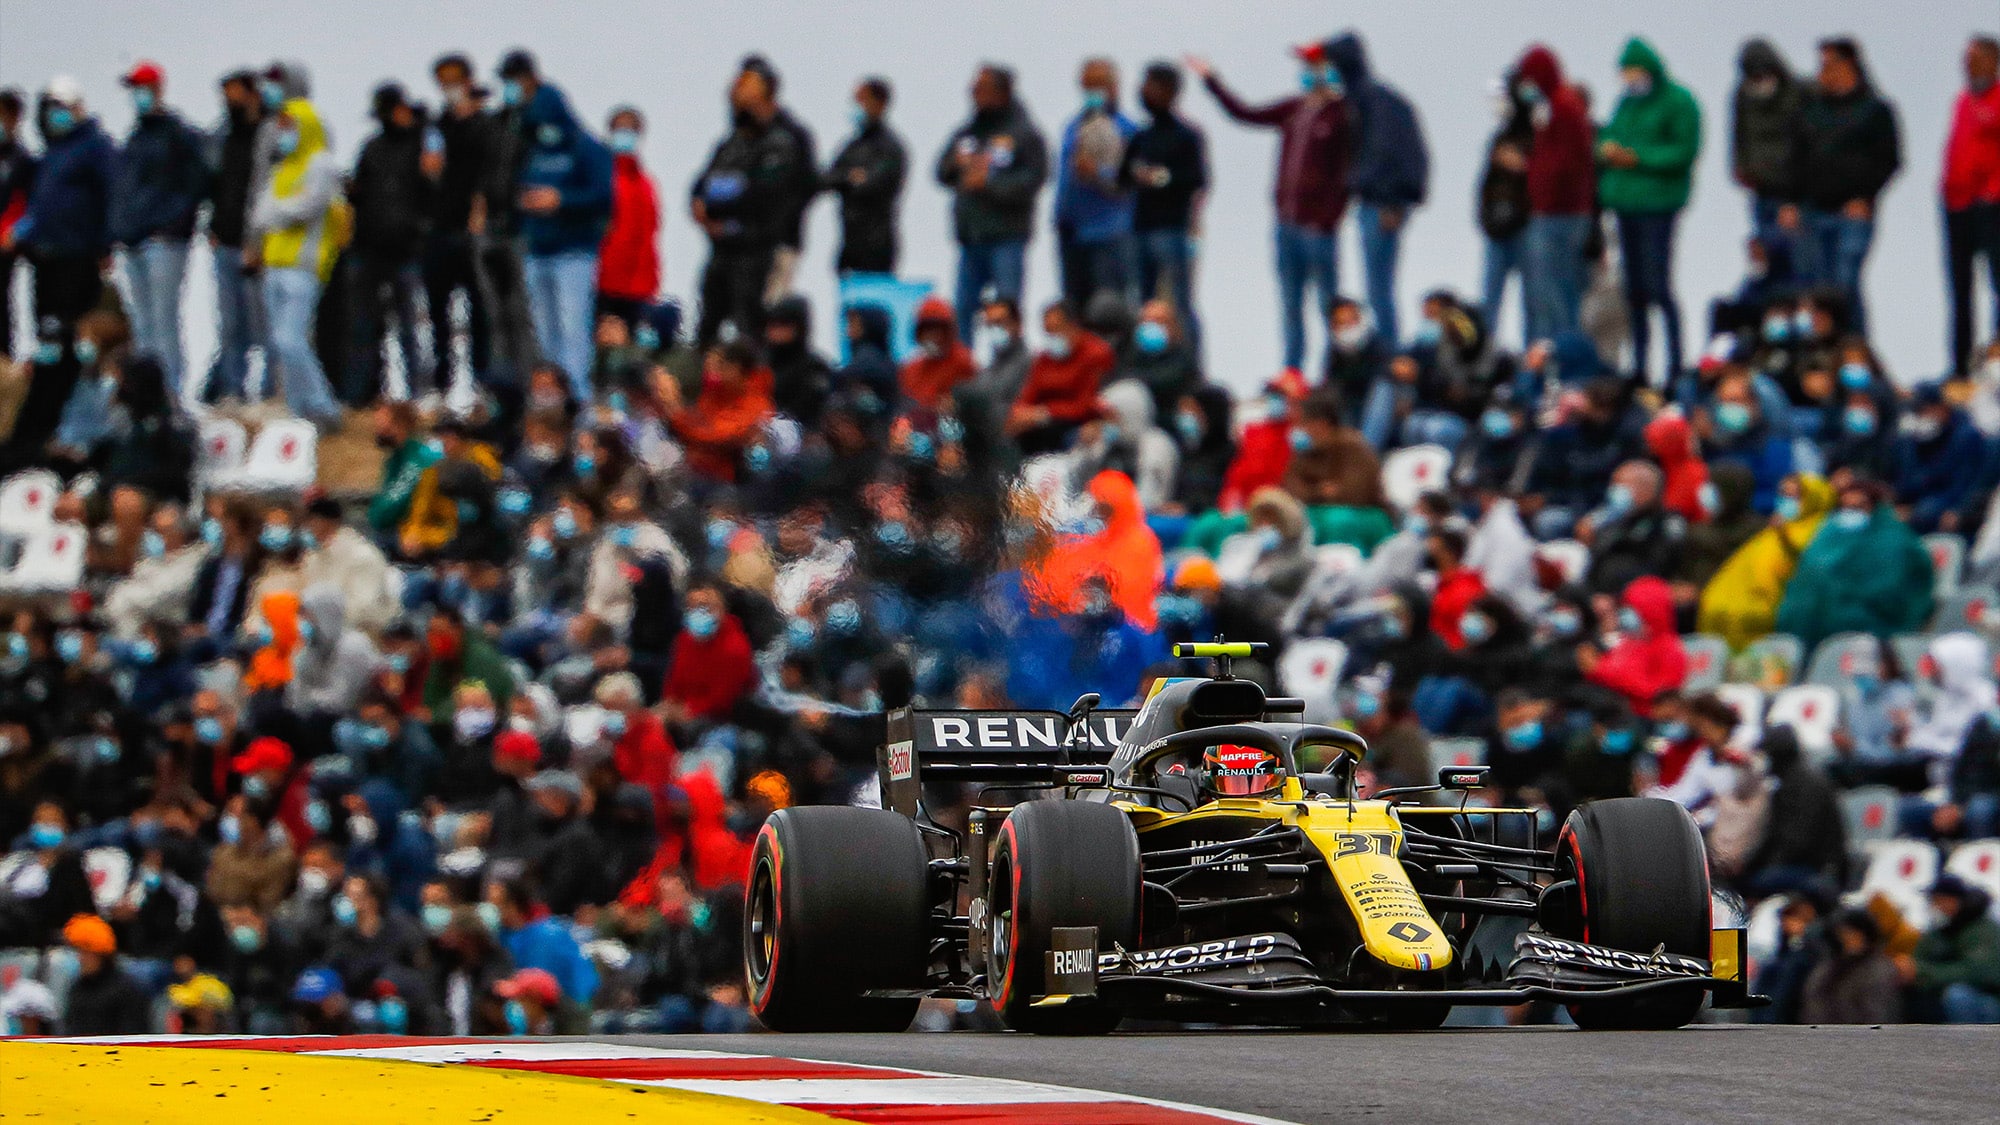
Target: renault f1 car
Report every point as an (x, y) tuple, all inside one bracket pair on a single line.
[(1176, 863)]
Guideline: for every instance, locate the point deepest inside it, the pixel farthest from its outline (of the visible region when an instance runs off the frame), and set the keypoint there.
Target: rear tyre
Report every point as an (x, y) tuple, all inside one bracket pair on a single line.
[(1058, 863), (1642, 879), (838, 904)]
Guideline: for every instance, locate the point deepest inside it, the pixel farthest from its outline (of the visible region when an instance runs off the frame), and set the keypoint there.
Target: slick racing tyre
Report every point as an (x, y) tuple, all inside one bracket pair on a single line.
[(1058, 863), (837, 905), (1642, 880)]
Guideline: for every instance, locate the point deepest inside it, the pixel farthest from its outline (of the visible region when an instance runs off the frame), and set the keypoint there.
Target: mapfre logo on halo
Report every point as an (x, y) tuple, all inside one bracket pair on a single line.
[(902, 760), (1240, 759)]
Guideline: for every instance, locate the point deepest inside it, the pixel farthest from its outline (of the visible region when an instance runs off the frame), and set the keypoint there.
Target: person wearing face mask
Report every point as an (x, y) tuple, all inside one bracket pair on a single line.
[(1093, 209), (1166, 169), (734, 404), (748, 199), (459, 655), (1335, 473), (393, 201), (1632, 533), (89, 421), (994, 165), (867, 174), (941, 362), (565, 205), (1740, 603), (1061, 389), (50, 886), (465, 469), (628, 262), (160, 181), (1970, 187), (398, 432), (458, 161), (1935, 445), (64, 229), (711, 670), (1735, 429), (1316, 140), (1764, 124), (17, 176), (1159, 355), (1357, 357), (303, 221), (1458, 585), (641, 749), (1562, 189), (1391, 172), (1599, 431), (1524, 743), (1865, 572), (1647, 658), (1849, 147), (251, 865), (1126, 439)]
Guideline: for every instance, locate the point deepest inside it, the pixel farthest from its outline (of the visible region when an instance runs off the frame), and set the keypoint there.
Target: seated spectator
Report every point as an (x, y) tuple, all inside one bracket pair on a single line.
[(1399, 750), (1160, 357), (1670, 440), (155, 454), (1458, 586), (252, 866), (1061, 390), (1936, 458), (1524, 745), (448, 494), (1740, 604), (1855, 982), (734, 403), (1500, 549), (640, 747), (1704, 776), (1647, 658), (1734, 430), (1125, 439), (1804, 842), (1442, 383), (345, 558), (711, 669), (534, 940), (1123, 554), (869, 366), (1865, 572), (334, 664), (1599, 432), (45, 884), (1969, 762), (1357, 358), (1336, 475), (1878, 709), (1263, 448), (941, 362), (410, 454), (1203, 428), (1710, 543), (1633, 534), (1958, 962), (103, 1000), (801, 379)]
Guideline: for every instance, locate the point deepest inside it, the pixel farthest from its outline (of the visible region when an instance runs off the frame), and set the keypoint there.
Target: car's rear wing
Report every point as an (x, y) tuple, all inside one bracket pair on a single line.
[(988, 747)]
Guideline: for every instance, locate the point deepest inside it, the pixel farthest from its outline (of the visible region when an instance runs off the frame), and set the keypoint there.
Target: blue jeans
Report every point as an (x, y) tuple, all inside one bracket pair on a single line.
[(1503, 260), (1305, 256), (1380, 246), (239, 325), (994, 269), (291, 297), (1090, 268), (153, 273), (1166, 262), (1764, 226), (1646, 243), (562, 295), (1832, 249), (1963, 1003), (1552, 273)]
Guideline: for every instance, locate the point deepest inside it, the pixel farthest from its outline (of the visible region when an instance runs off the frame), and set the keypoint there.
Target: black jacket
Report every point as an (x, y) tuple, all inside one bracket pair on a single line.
[(868, 176), (1003, 210), (1166, 167), (470, 144), (1764, 130), (1804, 828), (235, 163), (392, 197), (1849, 147), (756, 184), (1503, 192), (17, 174), (160, 180), (1639, 543), (107, 1002)]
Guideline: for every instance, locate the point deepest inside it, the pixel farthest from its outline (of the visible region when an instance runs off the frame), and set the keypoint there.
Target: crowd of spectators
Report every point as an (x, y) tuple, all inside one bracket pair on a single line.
[(478, 746)]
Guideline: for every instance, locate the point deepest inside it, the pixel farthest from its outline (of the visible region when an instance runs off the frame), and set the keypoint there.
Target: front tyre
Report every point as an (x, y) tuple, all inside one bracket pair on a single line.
[(1058, 863), (1642, 879), (837, 904)]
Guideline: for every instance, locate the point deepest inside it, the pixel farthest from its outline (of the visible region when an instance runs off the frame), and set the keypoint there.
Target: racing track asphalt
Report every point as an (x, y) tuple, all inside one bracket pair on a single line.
[(1709, 1073)]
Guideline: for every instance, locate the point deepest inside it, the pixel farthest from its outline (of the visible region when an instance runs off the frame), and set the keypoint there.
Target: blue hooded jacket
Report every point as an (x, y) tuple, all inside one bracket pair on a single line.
[(1095, 212), (1392, 167), (1937, 474), (561, 154), (159, 182), (402, 854), (69, 209)]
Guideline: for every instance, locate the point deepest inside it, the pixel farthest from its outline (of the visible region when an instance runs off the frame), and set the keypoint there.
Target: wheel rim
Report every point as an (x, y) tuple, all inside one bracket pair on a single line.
[(763, 942), (1000, 906)]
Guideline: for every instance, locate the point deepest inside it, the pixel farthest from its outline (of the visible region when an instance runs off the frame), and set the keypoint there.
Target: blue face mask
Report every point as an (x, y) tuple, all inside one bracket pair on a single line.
[(144, 652), (1093, 100), (1850, 519), (60, 119), (211, 532), (318, 817), (1497, 423), (517, 1017), (512, 92), (1476, 628), (1630, 622), (564, 524), (859, 117), (399, 662), (1673, 730), (1858, 420), (1189, 426), (1394, 629), (540, 549), (799, 633), (1787, 508), (47, 836), (843, 617), (701, 624), (246, 939), (1803, 324), (585, 464), (69, 647), (1058, 347), (549, 136), (1617, 743), (1301, 441), (144, 100), (1618, 499), (625, 536), (208, 730), (86, 351), (1367, 705), (229, 830), (1856, 376), (614, 723), (393, 1013), (436, 916), (1524, 736), (287, 142), (1564, 621), (1427, 335), (344, 912), (1638, 87), (1777, 328), (275, 537), (1732, 417), (1150, 337), (272, 93), (17, 647), (515, 501), (152, 545)]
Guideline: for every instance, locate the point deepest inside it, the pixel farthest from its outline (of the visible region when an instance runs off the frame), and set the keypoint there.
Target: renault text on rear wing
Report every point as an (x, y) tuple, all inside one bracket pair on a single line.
[(988, 747)]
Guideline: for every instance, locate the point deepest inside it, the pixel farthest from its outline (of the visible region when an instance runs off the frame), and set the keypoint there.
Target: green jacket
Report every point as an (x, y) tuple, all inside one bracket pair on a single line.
[(401, 471), (1968, 955), (1663, 128), (1876, 579), (478, 661), (1341, 523)]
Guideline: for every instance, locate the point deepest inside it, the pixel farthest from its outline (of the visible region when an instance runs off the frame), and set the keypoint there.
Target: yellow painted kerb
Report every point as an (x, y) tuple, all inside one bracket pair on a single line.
[(183, 1086)]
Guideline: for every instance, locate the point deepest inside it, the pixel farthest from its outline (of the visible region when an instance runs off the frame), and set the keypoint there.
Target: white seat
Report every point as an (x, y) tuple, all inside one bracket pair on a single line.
[(1413, 470), (1568, 556), (1813, 713), (1310, 669), (109, 872), (51, 560), (1947, 552), (1457, 752), (1869, 811), (220, 454), (1978, 863), (284, 457), (1337, 558), (1237, 557), (1708, 657), (1747, 700), (1834, 661), (28, 501), (1902, 871)]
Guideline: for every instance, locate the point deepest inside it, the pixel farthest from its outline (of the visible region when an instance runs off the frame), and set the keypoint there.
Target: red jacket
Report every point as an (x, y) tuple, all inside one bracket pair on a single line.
[(708, 677), (1562, 161), (1263, 454), (1455, 594), (1972, 151), (1671, 442), (1314, 150), (1067, 387), (628, 264), (645, 753), (717, 857), (1641, 667)]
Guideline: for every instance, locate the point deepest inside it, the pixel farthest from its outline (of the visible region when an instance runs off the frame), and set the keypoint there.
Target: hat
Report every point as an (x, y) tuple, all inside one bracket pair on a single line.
[(1289, 383), (517, 745), (618, 685), (935, 310), (1948, 885), (90, 934), (263, 754), (145, 72), (65, 89), (1197, 573), (388, 96), (315, 984), (536, 983), (557, 781), (1310, 52), (201, 990), (517, 63)]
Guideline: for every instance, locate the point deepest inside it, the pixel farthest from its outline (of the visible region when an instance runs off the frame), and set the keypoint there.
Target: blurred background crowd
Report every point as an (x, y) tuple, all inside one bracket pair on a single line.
[(423, 660)]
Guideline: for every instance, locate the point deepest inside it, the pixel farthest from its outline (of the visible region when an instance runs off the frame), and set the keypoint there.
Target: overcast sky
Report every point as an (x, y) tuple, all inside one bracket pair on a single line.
[(673, 60)]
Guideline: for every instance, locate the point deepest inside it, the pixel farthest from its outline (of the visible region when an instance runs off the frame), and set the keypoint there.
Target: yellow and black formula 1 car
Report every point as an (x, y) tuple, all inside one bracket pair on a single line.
[(1176, 863)]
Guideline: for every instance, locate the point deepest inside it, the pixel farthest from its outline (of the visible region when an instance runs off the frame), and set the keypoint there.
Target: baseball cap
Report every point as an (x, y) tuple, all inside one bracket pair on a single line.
[(65, 89), (536, 983), (145, 72), (315, 984), (90, 934), (1310, 52), (517, 745), (262, 754)]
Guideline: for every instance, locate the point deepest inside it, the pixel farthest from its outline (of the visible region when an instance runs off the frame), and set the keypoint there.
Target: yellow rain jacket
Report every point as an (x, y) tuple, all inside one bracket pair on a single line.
[(304, 219), (1740, 603)]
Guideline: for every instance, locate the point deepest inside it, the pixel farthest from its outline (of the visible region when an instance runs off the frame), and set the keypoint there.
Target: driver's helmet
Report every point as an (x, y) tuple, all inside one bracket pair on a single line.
[(1230, 770)]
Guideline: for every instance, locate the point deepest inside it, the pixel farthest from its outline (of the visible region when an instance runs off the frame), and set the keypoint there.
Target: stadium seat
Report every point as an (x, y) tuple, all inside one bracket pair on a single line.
[(1310, 669), (1770, 662), (51, 560), (1813, 713), (1763, 931), (1747, 700), (1869, 812), (1902, 871), (1337, 558), (1833, 661), (1978, 863), (1568, 556), (893, 295), (1457, 752), (284, 457), (108, 870), (1968, 607), (28, 501), (220, 454), (1947, 552), (1708, 659), (1413, 470), (1910, 649)]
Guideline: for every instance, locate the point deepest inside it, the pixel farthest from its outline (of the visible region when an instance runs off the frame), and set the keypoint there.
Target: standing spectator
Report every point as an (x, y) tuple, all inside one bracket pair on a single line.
[(1061, 391), (1166, 166), (17, 177), (994, 166), (496, 223), (1316, 138), (469, 148), (628, 265), (1764, 131), (801, 183), (1958, 962), (565, 203), (867, 174), (302, 219), (1093, 210), (1971, 189), (1391, 173), (1849, 149), (1648, 150), (392, 214), (239, 308), (161, 181), (64, 232), (745, 200), (1561, 194), (1503, 201)]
